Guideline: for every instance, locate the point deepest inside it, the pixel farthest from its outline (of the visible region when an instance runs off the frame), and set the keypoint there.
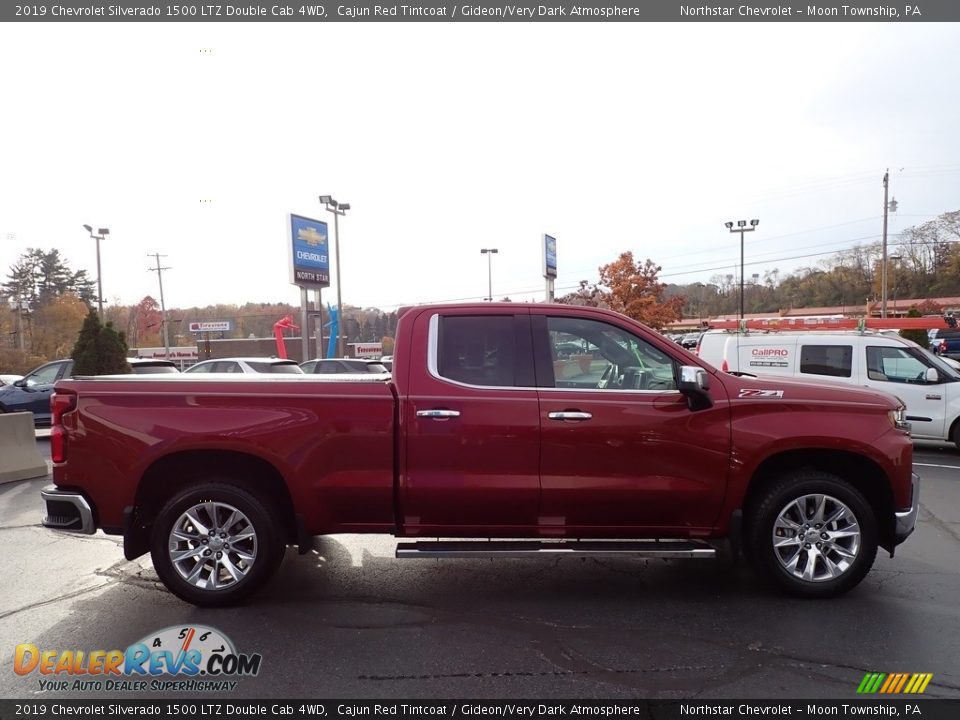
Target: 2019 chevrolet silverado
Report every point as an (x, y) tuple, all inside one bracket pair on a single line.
[(488, 431)]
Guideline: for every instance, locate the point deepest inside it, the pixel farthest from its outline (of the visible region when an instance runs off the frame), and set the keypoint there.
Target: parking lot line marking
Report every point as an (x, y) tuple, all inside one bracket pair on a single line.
[(952, 467)]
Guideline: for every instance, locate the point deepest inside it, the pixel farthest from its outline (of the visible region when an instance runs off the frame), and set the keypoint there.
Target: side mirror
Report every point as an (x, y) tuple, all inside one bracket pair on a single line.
[(21, 383), (932, 376), (694, 384)]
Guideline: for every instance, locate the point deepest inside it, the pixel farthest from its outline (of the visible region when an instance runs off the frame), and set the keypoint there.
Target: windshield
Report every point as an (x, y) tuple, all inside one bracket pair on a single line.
[(929, 358)]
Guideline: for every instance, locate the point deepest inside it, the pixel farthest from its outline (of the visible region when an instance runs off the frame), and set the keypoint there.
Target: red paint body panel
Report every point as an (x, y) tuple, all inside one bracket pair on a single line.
[(356, 457), (333, 443), (476, 472)]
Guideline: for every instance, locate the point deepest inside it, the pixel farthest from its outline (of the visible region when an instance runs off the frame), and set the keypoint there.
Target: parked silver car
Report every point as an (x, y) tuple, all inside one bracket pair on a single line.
[(247, 365)]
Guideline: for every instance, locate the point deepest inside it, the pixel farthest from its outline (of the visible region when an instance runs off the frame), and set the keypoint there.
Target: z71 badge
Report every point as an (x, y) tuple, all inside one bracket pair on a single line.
[(761, 393)]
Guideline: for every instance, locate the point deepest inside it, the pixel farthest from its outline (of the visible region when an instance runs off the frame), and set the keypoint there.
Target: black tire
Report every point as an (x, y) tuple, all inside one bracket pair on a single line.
[(955, 435), (214, 585), (829, 570)]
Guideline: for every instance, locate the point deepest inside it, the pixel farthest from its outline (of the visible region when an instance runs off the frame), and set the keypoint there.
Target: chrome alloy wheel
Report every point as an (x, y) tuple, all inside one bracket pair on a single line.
[(212, 545), (816, 538)]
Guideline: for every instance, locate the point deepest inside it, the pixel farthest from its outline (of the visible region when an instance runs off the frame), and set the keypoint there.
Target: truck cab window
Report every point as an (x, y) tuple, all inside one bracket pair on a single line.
[(895, 364), (478, 350), (595, 355)]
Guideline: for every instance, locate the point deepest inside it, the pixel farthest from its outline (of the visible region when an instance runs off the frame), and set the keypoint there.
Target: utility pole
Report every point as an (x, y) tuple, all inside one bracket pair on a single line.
[(883, 281), (163, 308), (20, 321)]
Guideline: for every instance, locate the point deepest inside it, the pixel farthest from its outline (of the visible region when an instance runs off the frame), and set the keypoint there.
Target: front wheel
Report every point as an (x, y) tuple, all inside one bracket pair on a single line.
[(955, 435), (813, 534), (215, 544)]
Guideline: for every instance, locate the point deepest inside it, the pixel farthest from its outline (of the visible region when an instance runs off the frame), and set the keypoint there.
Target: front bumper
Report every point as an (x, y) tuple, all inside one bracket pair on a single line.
[(906, 520), (67, 511)]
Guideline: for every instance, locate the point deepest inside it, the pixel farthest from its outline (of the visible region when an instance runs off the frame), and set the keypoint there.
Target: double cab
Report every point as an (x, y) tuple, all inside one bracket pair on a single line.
[(509, 430)]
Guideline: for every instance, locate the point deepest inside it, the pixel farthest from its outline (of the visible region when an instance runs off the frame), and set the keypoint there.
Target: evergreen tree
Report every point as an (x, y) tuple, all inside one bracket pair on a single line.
[(918, 336), (100, 350), (84, 352), (39, 277), (112, 352)]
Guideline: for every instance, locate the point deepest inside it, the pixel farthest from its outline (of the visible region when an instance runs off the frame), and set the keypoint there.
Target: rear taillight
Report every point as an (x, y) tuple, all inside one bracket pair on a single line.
[(942, 347), (60, 404)]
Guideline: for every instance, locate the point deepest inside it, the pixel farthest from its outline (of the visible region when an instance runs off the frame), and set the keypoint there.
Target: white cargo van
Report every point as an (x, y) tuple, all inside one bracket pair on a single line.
[(929, 387)]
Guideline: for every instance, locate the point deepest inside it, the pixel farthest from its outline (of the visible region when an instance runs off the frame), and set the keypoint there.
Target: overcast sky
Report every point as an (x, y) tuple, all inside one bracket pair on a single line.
[(196, 140)]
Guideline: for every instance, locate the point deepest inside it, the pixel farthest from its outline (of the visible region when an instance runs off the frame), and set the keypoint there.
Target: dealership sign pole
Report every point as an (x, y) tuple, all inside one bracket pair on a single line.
[(549, 263), (309, 265)]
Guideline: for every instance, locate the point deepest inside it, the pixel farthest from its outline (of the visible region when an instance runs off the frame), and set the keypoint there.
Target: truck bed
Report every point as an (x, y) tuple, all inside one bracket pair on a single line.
[(332, 440)]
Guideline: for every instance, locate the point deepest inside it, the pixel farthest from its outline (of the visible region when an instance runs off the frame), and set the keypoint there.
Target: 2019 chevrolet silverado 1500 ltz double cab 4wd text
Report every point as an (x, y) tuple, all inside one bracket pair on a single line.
[(485, 433)]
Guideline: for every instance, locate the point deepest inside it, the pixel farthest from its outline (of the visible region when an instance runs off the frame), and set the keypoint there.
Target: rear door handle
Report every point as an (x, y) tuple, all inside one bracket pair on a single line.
[(575, 415), (438, 414)]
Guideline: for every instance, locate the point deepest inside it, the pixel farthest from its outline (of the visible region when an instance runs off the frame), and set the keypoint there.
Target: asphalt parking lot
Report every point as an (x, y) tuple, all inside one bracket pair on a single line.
[(349, 620)]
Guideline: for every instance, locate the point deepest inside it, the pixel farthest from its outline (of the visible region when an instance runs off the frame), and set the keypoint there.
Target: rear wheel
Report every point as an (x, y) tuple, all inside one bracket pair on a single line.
[(215, 544), (813, 534)]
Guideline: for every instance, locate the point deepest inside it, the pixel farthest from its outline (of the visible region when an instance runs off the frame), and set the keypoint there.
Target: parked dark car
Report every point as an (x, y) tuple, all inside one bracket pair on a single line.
[(32, 392)]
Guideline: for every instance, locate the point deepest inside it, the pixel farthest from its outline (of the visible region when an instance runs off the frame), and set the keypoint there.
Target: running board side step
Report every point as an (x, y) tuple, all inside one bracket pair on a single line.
[(669, 549)]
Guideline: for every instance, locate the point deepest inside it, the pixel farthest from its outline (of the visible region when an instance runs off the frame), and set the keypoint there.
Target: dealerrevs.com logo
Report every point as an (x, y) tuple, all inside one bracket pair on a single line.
[(196, 657)]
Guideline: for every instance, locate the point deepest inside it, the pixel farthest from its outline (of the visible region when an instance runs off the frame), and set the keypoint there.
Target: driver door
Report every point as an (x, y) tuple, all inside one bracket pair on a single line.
[(895, 370), (621, 453)]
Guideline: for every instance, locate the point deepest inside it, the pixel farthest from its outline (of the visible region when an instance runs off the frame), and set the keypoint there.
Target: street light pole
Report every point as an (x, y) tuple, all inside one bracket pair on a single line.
[(338, 209), (101, 233), (489, 252), (742, 228)]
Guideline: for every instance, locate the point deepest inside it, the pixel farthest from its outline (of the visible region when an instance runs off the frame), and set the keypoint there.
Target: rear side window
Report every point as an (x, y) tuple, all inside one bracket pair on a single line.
[(478, 350), (831, 360)]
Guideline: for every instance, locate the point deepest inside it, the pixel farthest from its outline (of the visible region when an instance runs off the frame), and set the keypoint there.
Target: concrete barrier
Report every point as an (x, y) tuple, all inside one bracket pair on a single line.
[(19, 457)]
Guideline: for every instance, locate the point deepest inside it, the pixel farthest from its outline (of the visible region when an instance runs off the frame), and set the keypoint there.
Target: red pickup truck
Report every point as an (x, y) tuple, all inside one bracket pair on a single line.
[(511, 430)]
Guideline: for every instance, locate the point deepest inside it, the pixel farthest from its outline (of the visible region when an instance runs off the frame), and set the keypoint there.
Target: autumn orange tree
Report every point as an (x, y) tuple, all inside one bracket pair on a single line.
[(55, 325), (633, 289)]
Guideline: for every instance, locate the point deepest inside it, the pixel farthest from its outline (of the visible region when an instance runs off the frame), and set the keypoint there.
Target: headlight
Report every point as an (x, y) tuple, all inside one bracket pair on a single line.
[(898, 419)]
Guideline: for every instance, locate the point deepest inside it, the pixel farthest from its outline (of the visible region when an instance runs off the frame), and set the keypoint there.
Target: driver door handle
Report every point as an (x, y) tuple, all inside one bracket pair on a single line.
[(574, 415), (438, 414)]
